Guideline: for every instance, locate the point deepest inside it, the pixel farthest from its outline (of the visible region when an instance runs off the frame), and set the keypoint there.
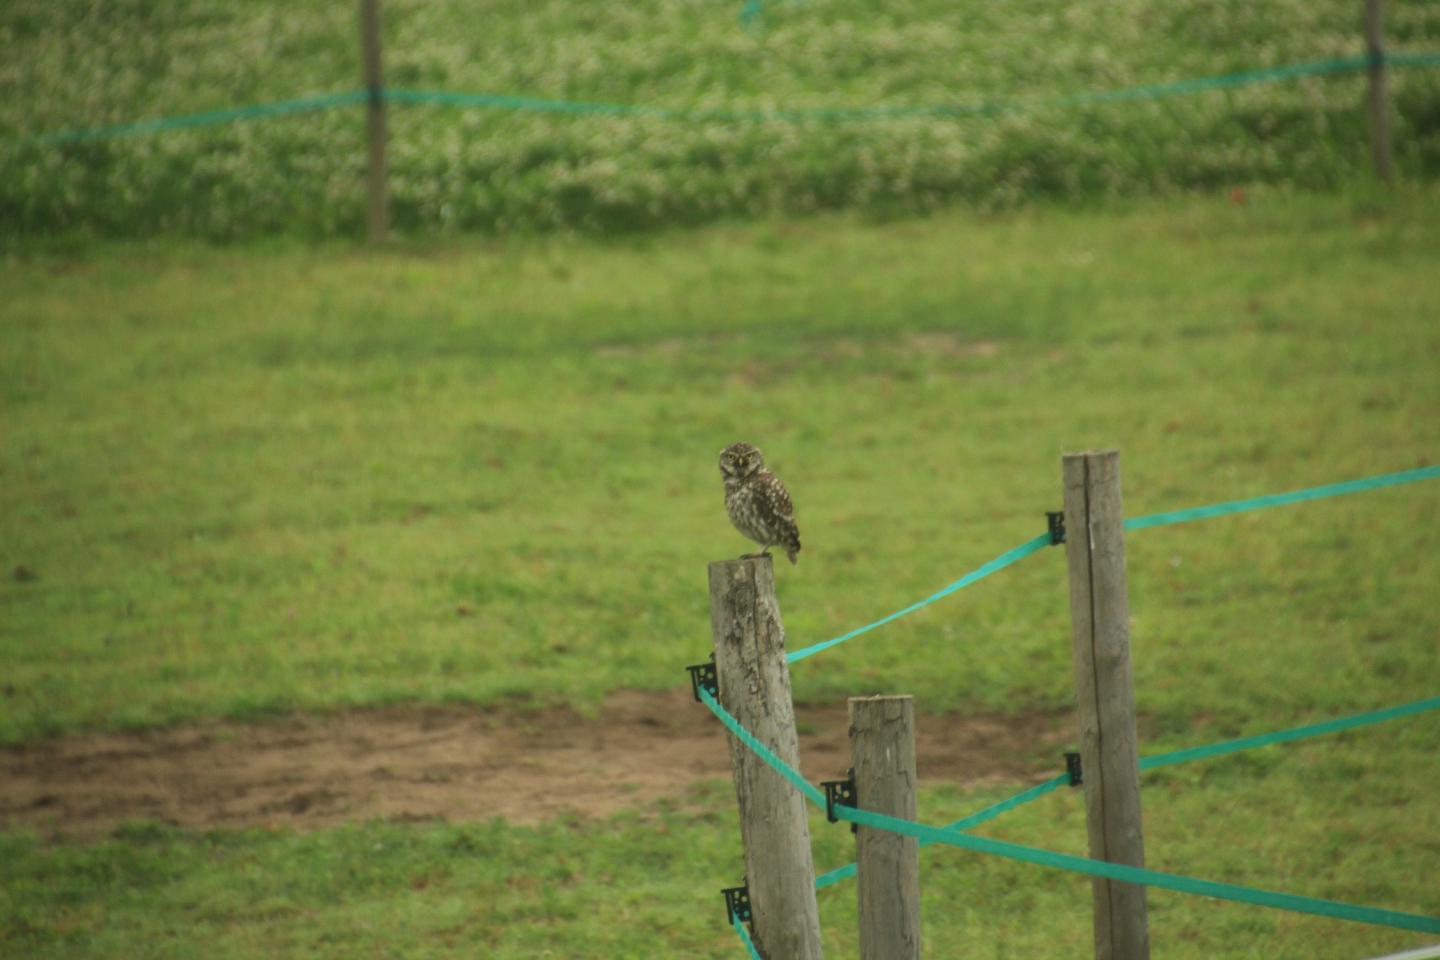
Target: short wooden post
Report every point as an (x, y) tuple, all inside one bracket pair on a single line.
[(1100, 619), (755, 687), (377, 217), (1378, 99), (882, 745)]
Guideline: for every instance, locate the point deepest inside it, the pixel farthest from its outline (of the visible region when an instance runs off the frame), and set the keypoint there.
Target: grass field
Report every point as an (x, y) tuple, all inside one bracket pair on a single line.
[(237, 482), (461, 169)]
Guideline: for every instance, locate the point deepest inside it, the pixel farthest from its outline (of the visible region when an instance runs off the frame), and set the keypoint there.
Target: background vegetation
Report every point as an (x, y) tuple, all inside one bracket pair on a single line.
[(258, 480), (80, 65), (246, 479), (262, 480)]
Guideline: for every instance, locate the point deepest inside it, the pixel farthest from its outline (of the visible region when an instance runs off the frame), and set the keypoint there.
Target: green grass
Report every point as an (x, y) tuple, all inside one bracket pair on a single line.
[(464, 170), (300, 479), (277, 478), (1298, 820)]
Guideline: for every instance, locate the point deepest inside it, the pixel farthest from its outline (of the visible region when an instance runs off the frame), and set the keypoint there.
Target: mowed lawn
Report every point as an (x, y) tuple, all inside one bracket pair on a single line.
[(248, 480)]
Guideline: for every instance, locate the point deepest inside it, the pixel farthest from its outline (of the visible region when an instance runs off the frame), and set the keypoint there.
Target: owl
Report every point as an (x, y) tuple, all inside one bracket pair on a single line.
[(757, 502)]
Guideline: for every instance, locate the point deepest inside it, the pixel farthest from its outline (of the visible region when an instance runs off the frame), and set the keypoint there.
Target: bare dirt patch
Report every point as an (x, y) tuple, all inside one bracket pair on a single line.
[(455, 764)]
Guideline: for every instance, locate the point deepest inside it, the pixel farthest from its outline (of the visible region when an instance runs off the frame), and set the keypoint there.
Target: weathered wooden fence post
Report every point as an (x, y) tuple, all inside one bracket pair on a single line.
[(882, 745), (755, 688), (1100, 619), (376, 218), (1378, 99)]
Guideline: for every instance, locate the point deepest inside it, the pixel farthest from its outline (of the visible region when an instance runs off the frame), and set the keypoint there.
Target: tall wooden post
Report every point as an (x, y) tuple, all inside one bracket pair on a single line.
[(376, 219), (1378, 99), (1100, 619), (755, 688), (882, 744)]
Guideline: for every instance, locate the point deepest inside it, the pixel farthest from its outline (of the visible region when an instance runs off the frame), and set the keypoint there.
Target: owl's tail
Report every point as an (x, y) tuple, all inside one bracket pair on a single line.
[(792, 550)]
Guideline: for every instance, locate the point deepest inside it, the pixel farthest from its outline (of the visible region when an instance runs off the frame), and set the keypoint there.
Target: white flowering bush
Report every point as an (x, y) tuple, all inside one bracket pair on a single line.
[(72, 64)]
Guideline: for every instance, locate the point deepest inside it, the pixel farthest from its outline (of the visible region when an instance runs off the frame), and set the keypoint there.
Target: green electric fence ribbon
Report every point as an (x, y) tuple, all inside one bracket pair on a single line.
[(974, 820), (1168, 759), (1137, 523), (522, 103), (204, 119), (1282, 499), (1285, 736), (1094, 868), (744, 936), (980, 573), (1153, 878), (760, 750)]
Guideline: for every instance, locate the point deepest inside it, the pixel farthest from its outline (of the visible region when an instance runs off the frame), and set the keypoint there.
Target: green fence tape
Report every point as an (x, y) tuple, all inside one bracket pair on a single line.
[(974, 820), (1282, 499), (518, 102), (835, 876), (1168, 759), (980, 573), (1094, 868), (1021, 798), (521, 103), (744, 936), (1285, 736), (764, 752), (1153, 878), (1149, 91), (1242, 78), (1418, 59), (1136, 523), (204, 119)]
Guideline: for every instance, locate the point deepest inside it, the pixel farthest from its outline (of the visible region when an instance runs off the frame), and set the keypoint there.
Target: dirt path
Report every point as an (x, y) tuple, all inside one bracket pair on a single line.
[(453, 764)]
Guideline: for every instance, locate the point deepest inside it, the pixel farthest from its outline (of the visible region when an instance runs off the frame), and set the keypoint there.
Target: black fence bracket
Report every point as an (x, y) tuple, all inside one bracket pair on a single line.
[(737, 903), (840, 793), (1072, 767), (703, 677), (1056, 520)]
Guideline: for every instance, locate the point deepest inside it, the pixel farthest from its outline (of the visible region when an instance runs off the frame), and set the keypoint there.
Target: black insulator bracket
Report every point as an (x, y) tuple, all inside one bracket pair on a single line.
[(704, 677), (840, 793), (737, 903), (1056, 520)]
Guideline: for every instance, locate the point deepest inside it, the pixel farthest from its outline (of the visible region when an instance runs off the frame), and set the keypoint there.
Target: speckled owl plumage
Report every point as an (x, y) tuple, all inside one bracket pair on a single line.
[(757, 502)]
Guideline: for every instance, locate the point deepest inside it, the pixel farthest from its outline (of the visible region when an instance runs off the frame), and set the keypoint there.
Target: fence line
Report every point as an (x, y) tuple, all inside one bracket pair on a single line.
[(1084, 865), (952, 834), (744, 936), (524, 103), (1005, 559), (966, 823), (1140, 875), (988, 107), (1287, 736), (1206, 752), (1282, 499), (811, 793), (203, 119), (1227, 508)]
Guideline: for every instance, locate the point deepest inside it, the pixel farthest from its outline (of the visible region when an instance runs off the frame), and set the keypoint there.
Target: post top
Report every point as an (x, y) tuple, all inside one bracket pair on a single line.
[(743, 561)]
